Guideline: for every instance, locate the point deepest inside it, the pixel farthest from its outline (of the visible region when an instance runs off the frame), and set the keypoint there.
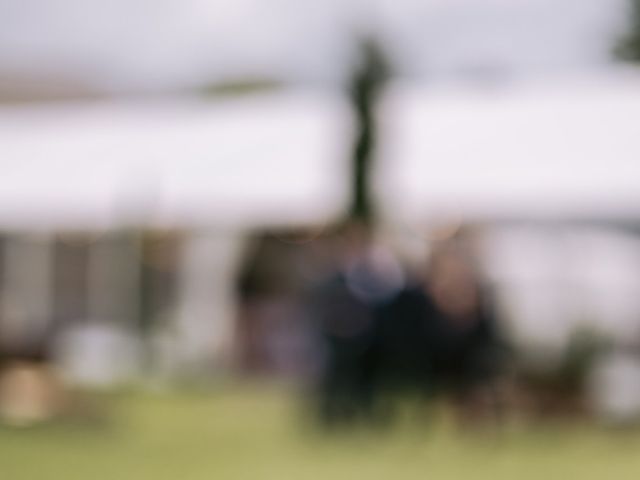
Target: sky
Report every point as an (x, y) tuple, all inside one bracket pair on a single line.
[(168, 44)]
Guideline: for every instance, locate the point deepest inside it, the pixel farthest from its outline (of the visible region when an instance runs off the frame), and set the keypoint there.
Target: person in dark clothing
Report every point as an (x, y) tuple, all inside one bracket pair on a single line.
[(346, 325), (469, 351), (347, 308), (406, 338)]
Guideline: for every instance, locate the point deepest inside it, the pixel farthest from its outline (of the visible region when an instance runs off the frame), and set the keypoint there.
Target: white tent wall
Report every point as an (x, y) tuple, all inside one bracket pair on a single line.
[(551, 279), (206, 309)]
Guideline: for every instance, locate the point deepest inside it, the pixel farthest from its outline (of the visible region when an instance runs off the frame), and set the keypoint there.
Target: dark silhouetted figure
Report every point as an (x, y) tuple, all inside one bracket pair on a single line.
[(347, 307), (469, 352)]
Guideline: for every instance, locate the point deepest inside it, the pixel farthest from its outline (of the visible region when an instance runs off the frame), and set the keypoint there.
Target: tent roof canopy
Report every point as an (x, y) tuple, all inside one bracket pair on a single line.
[(569, 149), (269, 159)]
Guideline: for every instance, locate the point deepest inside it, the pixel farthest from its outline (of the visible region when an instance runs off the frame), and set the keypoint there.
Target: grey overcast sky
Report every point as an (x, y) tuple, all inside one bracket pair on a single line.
[(160, 44)]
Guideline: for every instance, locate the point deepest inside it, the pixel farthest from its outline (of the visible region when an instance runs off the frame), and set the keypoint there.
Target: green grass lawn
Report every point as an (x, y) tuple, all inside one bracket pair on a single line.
[(248, 433)]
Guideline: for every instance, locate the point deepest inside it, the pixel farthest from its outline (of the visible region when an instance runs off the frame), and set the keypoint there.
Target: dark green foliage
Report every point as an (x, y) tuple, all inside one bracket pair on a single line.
[(628, 48)]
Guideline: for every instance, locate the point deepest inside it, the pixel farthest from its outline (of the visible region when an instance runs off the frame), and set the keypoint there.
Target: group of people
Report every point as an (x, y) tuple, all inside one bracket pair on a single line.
[(386, 334)]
